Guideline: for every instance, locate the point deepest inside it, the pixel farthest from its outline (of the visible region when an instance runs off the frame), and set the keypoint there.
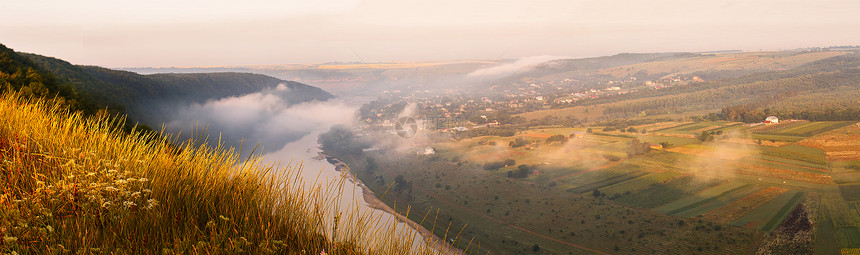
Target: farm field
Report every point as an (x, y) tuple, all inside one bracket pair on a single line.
[(576, 191)]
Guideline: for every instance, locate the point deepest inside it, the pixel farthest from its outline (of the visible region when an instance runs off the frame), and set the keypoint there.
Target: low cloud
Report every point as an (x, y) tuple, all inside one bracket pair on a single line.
[(265, 118), (521, 65)]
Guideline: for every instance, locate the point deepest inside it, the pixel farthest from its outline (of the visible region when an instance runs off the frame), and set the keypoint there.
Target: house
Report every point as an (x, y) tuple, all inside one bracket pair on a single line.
[(577, 134), (655, 146), (427, 151), (771, 120)]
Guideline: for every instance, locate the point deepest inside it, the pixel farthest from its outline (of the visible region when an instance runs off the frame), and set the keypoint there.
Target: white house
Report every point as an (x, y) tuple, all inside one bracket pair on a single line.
[(771, 119), (427, 151)]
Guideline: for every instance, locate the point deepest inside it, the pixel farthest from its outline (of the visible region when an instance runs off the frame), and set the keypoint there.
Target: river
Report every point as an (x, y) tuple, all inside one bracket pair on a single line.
[(318, 171)]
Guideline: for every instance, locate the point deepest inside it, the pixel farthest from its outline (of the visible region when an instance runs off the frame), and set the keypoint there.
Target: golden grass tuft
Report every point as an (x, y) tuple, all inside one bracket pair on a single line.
[(75, 184)]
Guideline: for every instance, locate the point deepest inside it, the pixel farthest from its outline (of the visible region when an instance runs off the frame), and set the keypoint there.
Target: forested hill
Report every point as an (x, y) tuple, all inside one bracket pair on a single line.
[(18, 73), (147, 97)]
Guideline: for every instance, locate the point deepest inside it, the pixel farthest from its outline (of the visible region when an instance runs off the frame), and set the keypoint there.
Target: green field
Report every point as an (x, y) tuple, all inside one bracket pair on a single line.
[(639, 183), (848, 237), (770, 214), (703, 197), (664, 193), (808, 129), (797, 152), (823, 167), (673, 141), (850, 192), (610, 180), (697, 127), (777, 138)]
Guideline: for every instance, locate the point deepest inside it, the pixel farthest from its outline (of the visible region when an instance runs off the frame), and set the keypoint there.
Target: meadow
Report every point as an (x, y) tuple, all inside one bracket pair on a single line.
[(589, 194)]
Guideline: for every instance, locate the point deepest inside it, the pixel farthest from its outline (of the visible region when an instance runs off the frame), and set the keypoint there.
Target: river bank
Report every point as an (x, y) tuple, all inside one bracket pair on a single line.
[(374, 202)]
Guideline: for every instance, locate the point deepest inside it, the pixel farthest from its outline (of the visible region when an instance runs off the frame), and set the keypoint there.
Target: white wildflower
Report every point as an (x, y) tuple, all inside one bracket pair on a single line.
[(111, 189), (113, 171), (106, 204), (151, 203), (120, 182), (91, 173), (9, 239), (131, 180), (136, 194), (143, 180), (128, 204)]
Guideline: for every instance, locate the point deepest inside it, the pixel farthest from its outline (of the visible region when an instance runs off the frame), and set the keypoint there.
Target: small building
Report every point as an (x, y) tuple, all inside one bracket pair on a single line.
[(427, 151), (771, 120), (577, 134), (655, 146)]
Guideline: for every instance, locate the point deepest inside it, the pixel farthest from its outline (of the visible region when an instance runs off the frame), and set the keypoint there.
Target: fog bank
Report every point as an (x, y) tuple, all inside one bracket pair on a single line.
[(265, 118)]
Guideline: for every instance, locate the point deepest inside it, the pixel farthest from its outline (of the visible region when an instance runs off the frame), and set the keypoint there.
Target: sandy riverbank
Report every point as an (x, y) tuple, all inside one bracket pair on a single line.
[(373, 201)]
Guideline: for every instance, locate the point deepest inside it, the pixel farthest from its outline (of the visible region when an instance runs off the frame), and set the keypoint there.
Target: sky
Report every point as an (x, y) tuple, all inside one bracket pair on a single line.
[(161, 33)]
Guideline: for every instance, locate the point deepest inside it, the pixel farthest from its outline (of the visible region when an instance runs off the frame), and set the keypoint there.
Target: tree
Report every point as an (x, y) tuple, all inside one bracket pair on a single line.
[(556, 139), (705, 136), (635, 147), (519, 142)]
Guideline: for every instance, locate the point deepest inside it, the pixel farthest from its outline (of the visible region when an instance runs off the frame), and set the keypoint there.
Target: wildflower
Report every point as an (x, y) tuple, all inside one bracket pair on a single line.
[(152, 203), (111, 188), (131, 180), (113, 171), (91, 173), (9, 239), (136, 194), (128, 204), (120, 182), (143, 180), (223, 218), (106, 204), (40, 183), (323, 252), (147, 190), (49, 228)]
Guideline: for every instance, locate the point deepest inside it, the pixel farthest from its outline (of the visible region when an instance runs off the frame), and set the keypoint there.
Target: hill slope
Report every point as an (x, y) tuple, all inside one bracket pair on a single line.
[(148, 97), (72, 183)]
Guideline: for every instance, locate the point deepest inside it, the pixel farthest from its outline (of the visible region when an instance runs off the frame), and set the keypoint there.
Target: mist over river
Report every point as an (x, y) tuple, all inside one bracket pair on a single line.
[(287, 136)]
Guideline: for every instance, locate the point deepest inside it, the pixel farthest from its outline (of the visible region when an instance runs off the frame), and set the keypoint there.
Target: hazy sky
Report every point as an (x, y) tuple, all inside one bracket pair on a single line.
[(230, 32)]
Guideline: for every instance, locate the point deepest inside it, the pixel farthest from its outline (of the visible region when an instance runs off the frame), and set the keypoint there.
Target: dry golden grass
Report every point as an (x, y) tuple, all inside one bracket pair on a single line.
[(70, 184)]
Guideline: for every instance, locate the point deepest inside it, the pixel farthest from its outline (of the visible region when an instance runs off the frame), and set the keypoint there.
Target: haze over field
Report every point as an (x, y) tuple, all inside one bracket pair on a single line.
[(208, 33)]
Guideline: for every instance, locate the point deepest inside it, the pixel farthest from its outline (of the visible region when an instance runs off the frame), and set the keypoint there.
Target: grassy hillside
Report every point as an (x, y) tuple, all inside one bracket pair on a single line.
[(76, 184)]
